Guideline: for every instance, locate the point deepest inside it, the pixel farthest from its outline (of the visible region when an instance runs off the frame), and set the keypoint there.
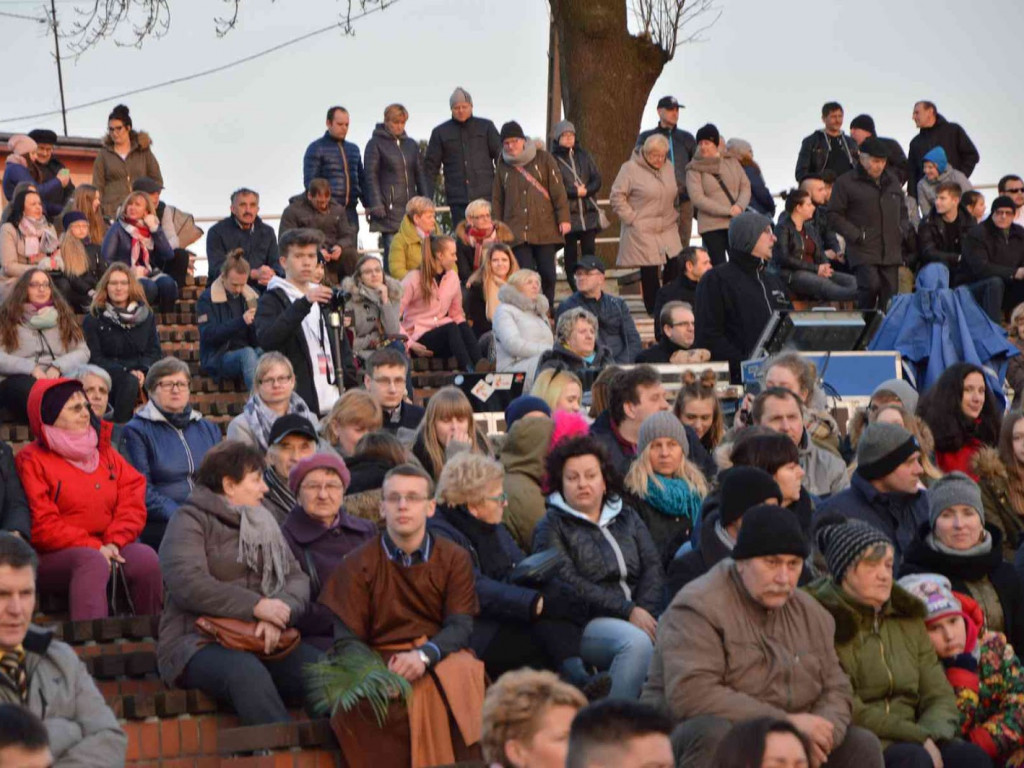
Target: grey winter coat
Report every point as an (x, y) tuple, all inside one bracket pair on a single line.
[(41, 348), (82, 729), (927, 191), (203, 577), (644, 200), (394, 173), (373, 319), (521, 330), (709, 199), (824, 472)]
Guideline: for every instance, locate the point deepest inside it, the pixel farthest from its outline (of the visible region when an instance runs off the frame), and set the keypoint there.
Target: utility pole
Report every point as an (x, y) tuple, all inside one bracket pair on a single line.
[(60, 74), (554, 80)]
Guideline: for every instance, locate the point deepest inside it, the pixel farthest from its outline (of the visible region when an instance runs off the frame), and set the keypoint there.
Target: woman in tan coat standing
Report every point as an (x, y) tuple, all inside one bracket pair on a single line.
[(643, 197), (125, 157), (719, 189)]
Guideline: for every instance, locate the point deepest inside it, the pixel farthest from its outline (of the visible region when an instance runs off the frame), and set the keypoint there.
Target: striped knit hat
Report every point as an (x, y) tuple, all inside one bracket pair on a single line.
[(843, 540)]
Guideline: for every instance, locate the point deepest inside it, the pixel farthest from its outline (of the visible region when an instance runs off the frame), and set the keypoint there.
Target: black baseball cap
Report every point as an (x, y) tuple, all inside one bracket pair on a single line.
[(291, 424), (147, 185), (669, 102), (590, 262)]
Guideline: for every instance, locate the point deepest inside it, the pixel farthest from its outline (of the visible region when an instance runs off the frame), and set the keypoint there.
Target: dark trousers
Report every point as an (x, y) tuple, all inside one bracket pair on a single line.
[(990, 294), (577, 245), (716, 243), (955, 754), (453, 340), (161, 292), (685, 223), (540, 258), (14, 394), (876, 285), (649, 285), (353, 218), (178, 267), (259, 691), (385, 247), (507, 645), (124, 394), (458, 211)]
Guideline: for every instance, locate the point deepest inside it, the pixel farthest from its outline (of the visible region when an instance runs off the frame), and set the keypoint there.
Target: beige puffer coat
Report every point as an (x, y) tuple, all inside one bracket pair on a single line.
[(709, 199), (644, 200)]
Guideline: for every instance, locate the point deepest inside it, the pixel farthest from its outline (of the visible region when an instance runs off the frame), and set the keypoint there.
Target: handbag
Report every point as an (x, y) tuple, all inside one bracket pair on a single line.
[(119, 598), (602, 217), (537, 569), (238, 635)]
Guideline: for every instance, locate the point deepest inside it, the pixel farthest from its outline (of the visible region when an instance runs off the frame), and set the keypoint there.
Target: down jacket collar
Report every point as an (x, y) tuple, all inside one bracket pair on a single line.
[(150, 412), (509, 294), (612, 508), (851, 616)]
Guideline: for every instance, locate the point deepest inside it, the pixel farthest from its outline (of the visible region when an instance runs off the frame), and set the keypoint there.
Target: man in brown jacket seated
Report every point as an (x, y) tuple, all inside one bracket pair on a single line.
[(411, 597), (743, 642)]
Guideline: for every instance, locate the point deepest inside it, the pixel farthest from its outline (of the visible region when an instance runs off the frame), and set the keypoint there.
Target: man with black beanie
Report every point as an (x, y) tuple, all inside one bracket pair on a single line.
[(994, 254), (744, 642), (885, 490), (735, 300), (863, 127)]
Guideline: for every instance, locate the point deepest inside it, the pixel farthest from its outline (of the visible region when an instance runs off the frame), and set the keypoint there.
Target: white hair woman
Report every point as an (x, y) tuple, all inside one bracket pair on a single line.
[(522, 332)]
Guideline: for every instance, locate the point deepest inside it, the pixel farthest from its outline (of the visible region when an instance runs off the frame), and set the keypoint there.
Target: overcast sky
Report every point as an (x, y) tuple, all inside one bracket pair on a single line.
[(762, 74)]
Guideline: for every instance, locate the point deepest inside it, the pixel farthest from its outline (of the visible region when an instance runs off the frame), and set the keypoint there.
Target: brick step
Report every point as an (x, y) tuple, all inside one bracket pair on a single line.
[(297, 735), (121, 664)]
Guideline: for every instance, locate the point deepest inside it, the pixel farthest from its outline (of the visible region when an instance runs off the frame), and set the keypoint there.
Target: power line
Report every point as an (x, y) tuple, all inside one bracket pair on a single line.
[(23, 16), (205, 72)]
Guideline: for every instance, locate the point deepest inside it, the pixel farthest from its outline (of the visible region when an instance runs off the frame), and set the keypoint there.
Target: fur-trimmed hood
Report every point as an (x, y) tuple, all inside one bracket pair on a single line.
[(365, 292), (509, 294), (504, 234), (851, 616), (987, 465), (140, 140), (219, 294)]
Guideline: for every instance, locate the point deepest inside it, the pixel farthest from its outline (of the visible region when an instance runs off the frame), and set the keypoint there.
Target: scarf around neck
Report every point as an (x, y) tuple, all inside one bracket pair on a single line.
[(127, 317), (177, 420), (478, 238), (262, 548), (983, 547), (495, 562), (526, 156), (673, 496), (79, 449), (40, 239), (261, 418), (142, 241), (40, 318)]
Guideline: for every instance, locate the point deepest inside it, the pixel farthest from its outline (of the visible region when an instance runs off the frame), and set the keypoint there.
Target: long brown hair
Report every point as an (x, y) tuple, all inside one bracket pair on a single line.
[(1014, 470), (447, 403), (484, 275), (703, 390), (82, 201), (135, 291), (431, 262), (13, 309)]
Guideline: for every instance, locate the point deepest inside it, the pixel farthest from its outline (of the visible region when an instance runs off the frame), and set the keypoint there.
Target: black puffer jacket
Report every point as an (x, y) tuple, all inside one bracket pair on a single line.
[(116, 349), (788, 254), (613, 566), (871, 215), (394, 173), (960, 150), (577, 164), (466, 152), (990, 252), (710, 551), (936, 245)]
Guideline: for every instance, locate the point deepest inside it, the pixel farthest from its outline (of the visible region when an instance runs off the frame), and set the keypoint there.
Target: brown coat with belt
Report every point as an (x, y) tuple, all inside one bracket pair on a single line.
[(532, 218)]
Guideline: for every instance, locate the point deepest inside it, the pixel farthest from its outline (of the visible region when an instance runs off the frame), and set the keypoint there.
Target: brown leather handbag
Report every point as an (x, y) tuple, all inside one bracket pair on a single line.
[(239, 635)]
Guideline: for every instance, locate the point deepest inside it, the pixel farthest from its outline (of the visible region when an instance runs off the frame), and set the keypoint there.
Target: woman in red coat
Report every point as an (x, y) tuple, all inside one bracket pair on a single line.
[(88, 505)]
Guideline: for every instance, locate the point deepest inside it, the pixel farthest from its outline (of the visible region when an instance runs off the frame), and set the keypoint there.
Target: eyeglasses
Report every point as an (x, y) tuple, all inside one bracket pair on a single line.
[(45, 284), (173, 386), (385, 382), (684, 324), (412, 499), (276, 380), (1004, 212), (331, 489), (1013, 190), (501, 498)]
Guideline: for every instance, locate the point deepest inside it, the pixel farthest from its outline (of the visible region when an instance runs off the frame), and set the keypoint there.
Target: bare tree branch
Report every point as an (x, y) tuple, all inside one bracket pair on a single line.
[(663, 21)]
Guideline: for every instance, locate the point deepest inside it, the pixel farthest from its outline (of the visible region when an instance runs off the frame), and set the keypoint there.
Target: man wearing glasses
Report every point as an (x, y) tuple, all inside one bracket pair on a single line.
[(1012, 186), (411, 597), (678, 330), (994, 253), (387, 380)]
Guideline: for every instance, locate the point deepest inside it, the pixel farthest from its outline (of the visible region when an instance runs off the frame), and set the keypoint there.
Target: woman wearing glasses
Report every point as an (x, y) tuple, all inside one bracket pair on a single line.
[(124, 157), (88, 505), (39, 339), (166, 441), (121, 333), (273, 395)]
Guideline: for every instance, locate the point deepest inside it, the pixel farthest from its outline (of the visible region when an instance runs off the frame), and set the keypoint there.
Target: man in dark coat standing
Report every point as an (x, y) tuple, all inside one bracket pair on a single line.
[(466, 149), (695, 263), (682, 147), (935, 131), (735, 300), (868, 209), (863, 127), (828, 148), (340, 162)]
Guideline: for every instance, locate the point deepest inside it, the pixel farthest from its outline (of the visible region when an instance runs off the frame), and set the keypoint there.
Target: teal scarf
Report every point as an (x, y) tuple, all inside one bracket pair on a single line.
[(675, 497)]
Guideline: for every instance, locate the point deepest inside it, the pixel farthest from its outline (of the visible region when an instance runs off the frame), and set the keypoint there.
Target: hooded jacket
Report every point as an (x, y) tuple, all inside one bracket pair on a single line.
[(333, 224), (927, 190), (466, 151), (532, 217), (82, 729), (258, 244), (735, 300), (341, 163), (71, 508), (960, 150), (612, 565), (871, 215), (994, 482), (522, 332), (815, 150), (710, 201), (203, 577), (900, 691), (523, 455), (222, 326), (824, 472), (41, 347), (721, 653), (711, 549), (577, 165), (394, 173), (14, 512), (114, 176), (616, 328), (373, 320), (167, 457), (644, 200), (116, 349), (992, 252)]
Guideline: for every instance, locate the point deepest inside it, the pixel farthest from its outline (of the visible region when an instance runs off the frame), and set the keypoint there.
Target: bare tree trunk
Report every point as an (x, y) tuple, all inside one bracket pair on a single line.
[(607, 76)]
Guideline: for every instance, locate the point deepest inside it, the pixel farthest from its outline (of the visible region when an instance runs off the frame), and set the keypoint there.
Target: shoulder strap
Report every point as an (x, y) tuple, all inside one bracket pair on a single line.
[(533, 182), (728, 194), (572, 170), (314, 577)]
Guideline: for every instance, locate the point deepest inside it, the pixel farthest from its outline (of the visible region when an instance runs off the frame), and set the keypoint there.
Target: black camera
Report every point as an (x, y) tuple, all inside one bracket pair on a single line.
[(339, 298)]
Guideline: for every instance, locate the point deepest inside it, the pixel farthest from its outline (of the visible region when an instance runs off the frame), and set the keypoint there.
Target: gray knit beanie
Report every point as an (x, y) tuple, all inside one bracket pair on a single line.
[(662, 424), (903, 389), (882, 448), (459, 96), (745, 229), (739, 147), (955, 488), (562, 127), (842, 541)]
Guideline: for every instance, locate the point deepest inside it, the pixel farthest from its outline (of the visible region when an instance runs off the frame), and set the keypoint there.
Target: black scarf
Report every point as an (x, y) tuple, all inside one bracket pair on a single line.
[(493, 561), (177, 420)]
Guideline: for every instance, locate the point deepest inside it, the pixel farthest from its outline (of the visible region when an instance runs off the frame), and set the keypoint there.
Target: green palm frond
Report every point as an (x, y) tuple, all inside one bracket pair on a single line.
[(353, 673)]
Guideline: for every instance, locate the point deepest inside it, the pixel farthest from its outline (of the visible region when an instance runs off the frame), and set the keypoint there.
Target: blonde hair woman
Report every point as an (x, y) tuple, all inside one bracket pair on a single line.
[(353, 415), (522, 331), (447, 428), (137, 240), (665, 488), (408, 246), (273, 395), (561, 389), (497, 267)]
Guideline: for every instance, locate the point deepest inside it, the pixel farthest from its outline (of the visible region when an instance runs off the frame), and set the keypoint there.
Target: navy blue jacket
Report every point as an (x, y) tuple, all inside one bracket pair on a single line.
[(258, 243), (221, 326), (49, 190), (467, 152), (615, 327), (761, 199), (167, 457), (323, 160), (117, 246)]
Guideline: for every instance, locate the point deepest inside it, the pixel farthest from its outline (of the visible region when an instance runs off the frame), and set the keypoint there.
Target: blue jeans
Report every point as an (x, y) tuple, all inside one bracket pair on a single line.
[(622, 649), (839, 287), (161, 292), (240, 362)]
